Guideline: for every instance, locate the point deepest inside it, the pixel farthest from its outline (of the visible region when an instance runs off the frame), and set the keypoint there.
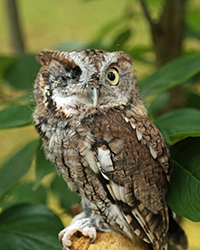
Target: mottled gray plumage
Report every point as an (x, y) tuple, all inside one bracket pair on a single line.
[(95, 129)]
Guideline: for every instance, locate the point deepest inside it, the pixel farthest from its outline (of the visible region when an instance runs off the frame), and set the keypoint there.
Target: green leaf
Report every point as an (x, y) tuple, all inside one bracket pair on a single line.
[(43, 166), (179, 124), (170, 75), (22, 75), (193, 101), (120, 40), (65, 195), (5, 63), (23, 193), (25, 99), (16, 167), (193, 18), (29, 227), (158, 103), (15, 116), (105, 30), (192, 32), (184, 194), (139, 53)]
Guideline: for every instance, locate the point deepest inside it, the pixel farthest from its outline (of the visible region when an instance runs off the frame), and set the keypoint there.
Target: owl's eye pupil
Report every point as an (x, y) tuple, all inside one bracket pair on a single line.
[(111, 76)]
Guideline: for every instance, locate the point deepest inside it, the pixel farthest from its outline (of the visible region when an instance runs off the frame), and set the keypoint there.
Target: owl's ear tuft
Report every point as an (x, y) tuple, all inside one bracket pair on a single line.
[(45, 57)]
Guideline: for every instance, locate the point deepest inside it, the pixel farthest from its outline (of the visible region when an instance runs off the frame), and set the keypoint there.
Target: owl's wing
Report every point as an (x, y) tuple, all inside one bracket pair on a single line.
[(135, 168)]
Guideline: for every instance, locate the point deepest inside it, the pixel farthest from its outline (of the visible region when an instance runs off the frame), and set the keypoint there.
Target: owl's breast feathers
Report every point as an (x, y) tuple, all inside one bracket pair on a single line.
[(115, 157)]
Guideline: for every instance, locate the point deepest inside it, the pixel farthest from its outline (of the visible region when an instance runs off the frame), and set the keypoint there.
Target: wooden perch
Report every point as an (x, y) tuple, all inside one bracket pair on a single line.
[(106, 241)]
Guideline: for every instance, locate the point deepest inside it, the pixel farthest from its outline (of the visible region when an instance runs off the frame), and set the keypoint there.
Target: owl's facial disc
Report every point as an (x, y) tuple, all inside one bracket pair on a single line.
[(87, 79)]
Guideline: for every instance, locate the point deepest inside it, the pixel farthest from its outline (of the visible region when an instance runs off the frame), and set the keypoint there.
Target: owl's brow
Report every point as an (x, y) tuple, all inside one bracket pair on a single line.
[(115, 64)]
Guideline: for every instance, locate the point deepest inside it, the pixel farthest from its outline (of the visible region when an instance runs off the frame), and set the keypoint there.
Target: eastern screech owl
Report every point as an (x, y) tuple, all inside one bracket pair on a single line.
[(95, 129)]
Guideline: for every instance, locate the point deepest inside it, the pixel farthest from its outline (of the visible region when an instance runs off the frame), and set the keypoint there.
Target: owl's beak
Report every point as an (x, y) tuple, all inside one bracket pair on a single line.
[(95, 97)]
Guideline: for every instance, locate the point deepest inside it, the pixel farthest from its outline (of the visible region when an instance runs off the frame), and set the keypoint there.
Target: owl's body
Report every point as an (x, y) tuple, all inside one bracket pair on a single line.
[(95, 129)]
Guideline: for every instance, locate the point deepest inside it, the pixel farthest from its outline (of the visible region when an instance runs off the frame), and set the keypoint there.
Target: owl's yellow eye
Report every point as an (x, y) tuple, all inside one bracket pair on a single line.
[(112, 76)]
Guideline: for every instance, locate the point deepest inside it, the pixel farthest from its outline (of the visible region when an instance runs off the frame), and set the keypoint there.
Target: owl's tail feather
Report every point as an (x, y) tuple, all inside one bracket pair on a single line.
[(152, 235), (176, 234)]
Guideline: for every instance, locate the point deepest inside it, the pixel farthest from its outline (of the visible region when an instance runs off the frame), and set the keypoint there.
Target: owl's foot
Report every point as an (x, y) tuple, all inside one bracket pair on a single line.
[(83, 226)]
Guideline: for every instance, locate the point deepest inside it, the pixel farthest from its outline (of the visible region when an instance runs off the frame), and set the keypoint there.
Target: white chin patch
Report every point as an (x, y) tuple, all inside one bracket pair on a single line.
[(71, 102)]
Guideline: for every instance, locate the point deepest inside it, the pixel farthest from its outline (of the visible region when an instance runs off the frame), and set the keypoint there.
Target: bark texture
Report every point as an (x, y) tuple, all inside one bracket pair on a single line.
[(168, 32), (16, 35)]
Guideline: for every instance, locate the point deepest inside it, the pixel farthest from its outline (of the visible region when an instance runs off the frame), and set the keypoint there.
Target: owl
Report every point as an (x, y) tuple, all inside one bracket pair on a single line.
[(95, 129)]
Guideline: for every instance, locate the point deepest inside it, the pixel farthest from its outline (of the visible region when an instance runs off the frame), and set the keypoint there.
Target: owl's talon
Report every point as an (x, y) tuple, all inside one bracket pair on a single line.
[(93, 240), (83, 226), (66, 248)]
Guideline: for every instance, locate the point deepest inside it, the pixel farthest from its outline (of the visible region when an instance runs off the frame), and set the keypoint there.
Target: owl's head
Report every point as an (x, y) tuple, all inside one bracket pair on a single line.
[(87, 79)]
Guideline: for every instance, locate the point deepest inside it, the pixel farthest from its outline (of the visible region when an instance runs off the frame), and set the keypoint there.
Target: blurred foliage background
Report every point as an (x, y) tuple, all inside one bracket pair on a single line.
[(163, 37)]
